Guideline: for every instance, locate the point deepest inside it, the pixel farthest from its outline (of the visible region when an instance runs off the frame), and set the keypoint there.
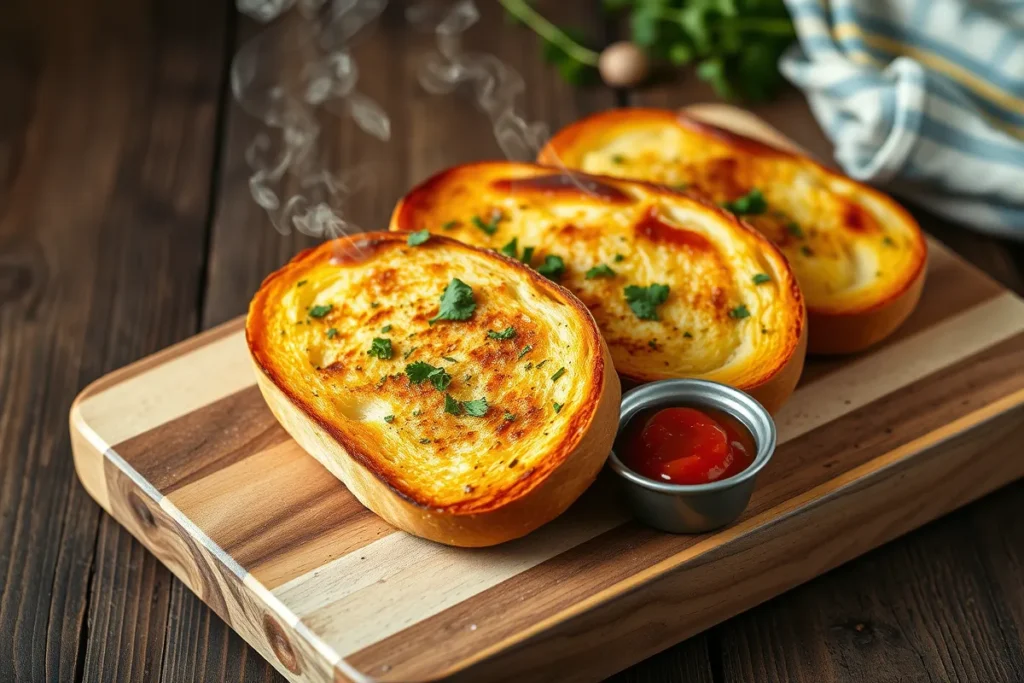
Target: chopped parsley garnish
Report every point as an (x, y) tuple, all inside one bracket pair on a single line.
[(420, 372), (457, 302), (381, 348), (558, 406), (618, 159), (526, 350), (301, 282), (389, 418), (320, 310), (417, 412), (601, 270), (331, 333), (558, 373), (653, 343), (750, 204), (806, 251), (449, 225), (888, 241), (374, 304), (795, 230), (527, 255), (619, 258), (529, 364), (552, 268), (507, 333), (541, 364), (512, 248), (645, 300), (761, 278), (509, 417), (451, 406), (385, 329), (739, 313), (417, 238), (409, 352), (489, 228), (687, 335), (449, 359), (477, 408), (424, 440)]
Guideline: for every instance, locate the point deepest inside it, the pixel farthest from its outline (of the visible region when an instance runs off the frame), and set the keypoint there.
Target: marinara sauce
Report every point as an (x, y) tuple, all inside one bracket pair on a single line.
[(686, 445)]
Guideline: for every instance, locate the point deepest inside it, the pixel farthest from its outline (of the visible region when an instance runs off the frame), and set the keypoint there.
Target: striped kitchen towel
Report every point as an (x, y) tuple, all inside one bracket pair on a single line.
[(922, 97)]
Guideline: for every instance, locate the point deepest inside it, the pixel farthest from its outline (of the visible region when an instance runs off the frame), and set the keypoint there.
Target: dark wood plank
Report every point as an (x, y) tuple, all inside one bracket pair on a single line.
[(105, 148), (936, 605)]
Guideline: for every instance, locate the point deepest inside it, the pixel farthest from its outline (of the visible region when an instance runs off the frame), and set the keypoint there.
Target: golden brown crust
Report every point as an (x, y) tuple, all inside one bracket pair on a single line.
[(843, 322), (510, 505), (588, 219)]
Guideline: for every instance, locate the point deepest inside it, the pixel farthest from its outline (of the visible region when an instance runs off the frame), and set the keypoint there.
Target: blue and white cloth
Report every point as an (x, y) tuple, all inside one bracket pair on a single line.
[(924, 98)]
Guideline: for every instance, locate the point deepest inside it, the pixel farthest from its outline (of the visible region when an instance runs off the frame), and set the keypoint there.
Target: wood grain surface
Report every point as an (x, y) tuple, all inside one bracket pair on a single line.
[(126, 224), (870, 447)]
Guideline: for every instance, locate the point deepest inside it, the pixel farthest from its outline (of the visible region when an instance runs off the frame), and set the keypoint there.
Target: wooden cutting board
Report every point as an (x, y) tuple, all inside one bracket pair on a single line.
[(181, 449)]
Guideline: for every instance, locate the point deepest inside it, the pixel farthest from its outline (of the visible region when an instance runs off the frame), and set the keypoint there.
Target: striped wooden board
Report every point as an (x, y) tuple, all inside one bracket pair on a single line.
[(181, 449)]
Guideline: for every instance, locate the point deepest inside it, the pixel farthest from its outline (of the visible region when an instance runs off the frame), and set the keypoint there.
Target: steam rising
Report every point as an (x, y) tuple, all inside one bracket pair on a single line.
[(301, 65)]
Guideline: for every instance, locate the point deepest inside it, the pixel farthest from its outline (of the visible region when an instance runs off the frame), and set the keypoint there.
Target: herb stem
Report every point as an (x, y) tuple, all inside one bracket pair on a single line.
[(769, 25), (545, 29)]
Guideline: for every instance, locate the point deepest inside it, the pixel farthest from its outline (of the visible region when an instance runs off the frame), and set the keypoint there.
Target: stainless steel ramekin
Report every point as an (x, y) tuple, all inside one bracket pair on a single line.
[(692, 509)]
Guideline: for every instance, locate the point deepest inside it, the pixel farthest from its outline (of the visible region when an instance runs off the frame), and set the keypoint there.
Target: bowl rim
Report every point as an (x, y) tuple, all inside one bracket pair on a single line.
[(698, 393)]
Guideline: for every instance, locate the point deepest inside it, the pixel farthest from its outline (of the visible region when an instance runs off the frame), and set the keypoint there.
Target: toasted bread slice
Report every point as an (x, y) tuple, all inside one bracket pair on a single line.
[(417, 446), (858, 255), (732, 312)]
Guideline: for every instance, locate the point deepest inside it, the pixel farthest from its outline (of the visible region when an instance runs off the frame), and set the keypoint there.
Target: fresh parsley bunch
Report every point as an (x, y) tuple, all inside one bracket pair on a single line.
[(736, 44)]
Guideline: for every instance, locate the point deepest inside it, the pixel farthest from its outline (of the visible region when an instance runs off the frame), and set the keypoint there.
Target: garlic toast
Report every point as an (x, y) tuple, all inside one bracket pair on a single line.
[(858, 255), (679, 288), (458, 394)]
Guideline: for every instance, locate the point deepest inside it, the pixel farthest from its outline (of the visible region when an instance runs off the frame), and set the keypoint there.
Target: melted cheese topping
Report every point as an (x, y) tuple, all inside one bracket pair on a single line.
[(848, 248), (716, 323), (390, 291)]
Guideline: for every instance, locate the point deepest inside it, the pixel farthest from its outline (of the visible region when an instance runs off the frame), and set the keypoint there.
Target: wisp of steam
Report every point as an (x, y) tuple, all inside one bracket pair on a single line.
[(301, 64)]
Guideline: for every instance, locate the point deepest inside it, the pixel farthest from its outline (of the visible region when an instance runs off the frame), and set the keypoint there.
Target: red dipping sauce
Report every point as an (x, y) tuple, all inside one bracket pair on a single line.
[(686, 445)]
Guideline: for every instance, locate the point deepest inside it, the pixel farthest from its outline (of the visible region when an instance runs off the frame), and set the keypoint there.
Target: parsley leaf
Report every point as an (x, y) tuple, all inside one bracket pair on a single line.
[(320, 311), (795, 230), (449, 225), (420, 372), (619, 258), (552, 268), (301, 282), (618, 159), (417, 238), (739, 313), (602, 270), (558, 373), (509, 417), (451, 406), (761, 278), (645, 300), (489, 228), (750, 204), (381, 348), (389, 418), (457, 302), (477, 408), (558, 406), (450, 359), (526, 350), (507, 333), (385, 329), (331, 333), (527, 255), (512, 248)]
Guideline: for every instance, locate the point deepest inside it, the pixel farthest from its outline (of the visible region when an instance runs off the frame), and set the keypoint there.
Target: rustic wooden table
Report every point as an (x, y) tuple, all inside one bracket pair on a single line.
[(126, 224)]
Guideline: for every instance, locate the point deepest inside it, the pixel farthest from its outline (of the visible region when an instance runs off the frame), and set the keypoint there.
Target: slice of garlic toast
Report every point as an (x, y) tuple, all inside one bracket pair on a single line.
[(458, 394), (678, 287), (858, 255)]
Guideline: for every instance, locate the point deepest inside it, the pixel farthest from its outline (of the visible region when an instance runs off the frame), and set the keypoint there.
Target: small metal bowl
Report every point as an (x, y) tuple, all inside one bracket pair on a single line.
[(694, 509)]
